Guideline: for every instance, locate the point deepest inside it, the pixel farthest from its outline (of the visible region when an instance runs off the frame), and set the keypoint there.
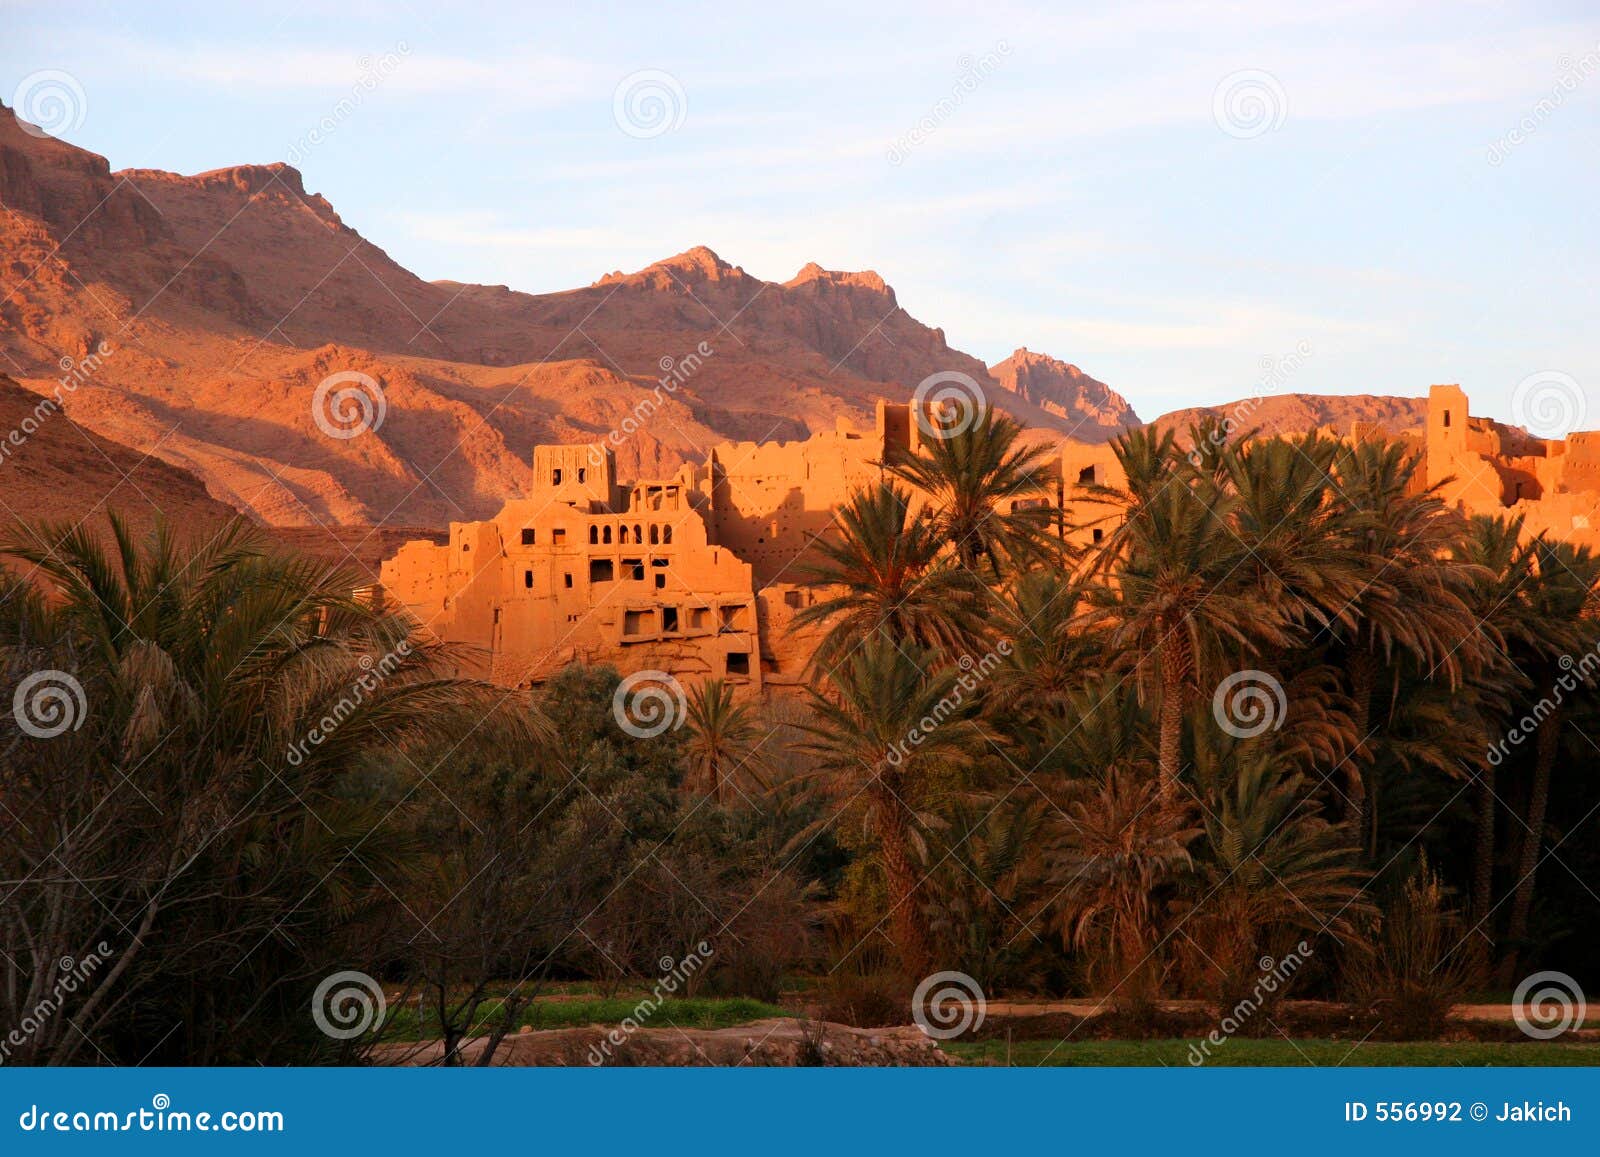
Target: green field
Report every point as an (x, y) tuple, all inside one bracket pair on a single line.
[(687, 1012), (577, 1005), (1274, 1052)]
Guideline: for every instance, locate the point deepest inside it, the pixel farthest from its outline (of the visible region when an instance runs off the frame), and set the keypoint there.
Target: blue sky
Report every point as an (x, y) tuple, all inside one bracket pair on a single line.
[(1412, 198)]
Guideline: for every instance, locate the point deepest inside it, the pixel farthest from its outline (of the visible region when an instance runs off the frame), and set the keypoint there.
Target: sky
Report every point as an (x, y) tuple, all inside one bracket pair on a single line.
[(1193, 202)]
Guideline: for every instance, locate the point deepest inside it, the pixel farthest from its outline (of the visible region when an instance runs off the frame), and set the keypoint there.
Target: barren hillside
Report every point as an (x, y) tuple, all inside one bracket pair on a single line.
[(228, 297), (1293, 413), (213, 307)]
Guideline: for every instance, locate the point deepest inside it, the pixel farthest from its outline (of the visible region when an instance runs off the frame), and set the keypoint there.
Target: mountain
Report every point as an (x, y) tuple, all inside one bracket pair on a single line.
[(1096, 412), (226, 299), (52, 469), (1296, 413), (55, 471)]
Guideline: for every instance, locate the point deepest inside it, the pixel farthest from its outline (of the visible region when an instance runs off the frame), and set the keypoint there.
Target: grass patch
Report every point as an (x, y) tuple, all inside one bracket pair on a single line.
[(1293, 1054), (684, 1012)]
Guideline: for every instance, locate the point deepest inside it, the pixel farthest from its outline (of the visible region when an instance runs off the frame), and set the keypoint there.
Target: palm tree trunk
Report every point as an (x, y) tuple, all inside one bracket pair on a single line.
[(1176, 658), (1547, 746), (1483, 853), (1363, 682), (906, 921), (968, 548)]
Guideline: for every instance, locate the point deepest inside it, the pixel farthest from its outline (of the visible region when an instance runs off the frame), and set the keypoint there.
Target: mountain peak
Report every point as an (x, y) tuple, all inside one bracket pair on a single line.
[(700, 259), (694, 266), (276, 182), (1061, 388), (1023, 356), (254, 178), (865, 279)]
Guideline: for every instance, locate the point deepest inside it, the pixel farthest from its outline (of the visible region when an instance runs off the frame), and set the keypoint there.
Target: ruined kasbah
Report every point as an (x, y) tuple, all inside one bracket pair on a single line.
[(701, 574)]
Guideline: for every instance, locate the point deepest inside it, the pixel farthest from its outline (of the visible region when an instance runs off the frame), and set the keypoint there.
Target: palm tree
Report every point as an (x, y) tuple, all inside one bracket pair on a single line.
[(1213, 446), (1271, 869), (1177, 592), (984, 888), (1561, 603), (1413, 601), (1048, 659), (1294, 524), (229, 697), (891, 727), (889, 576), (1499, 601), (237, 643), (987, 491), (724, 738), (1112, 859)]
